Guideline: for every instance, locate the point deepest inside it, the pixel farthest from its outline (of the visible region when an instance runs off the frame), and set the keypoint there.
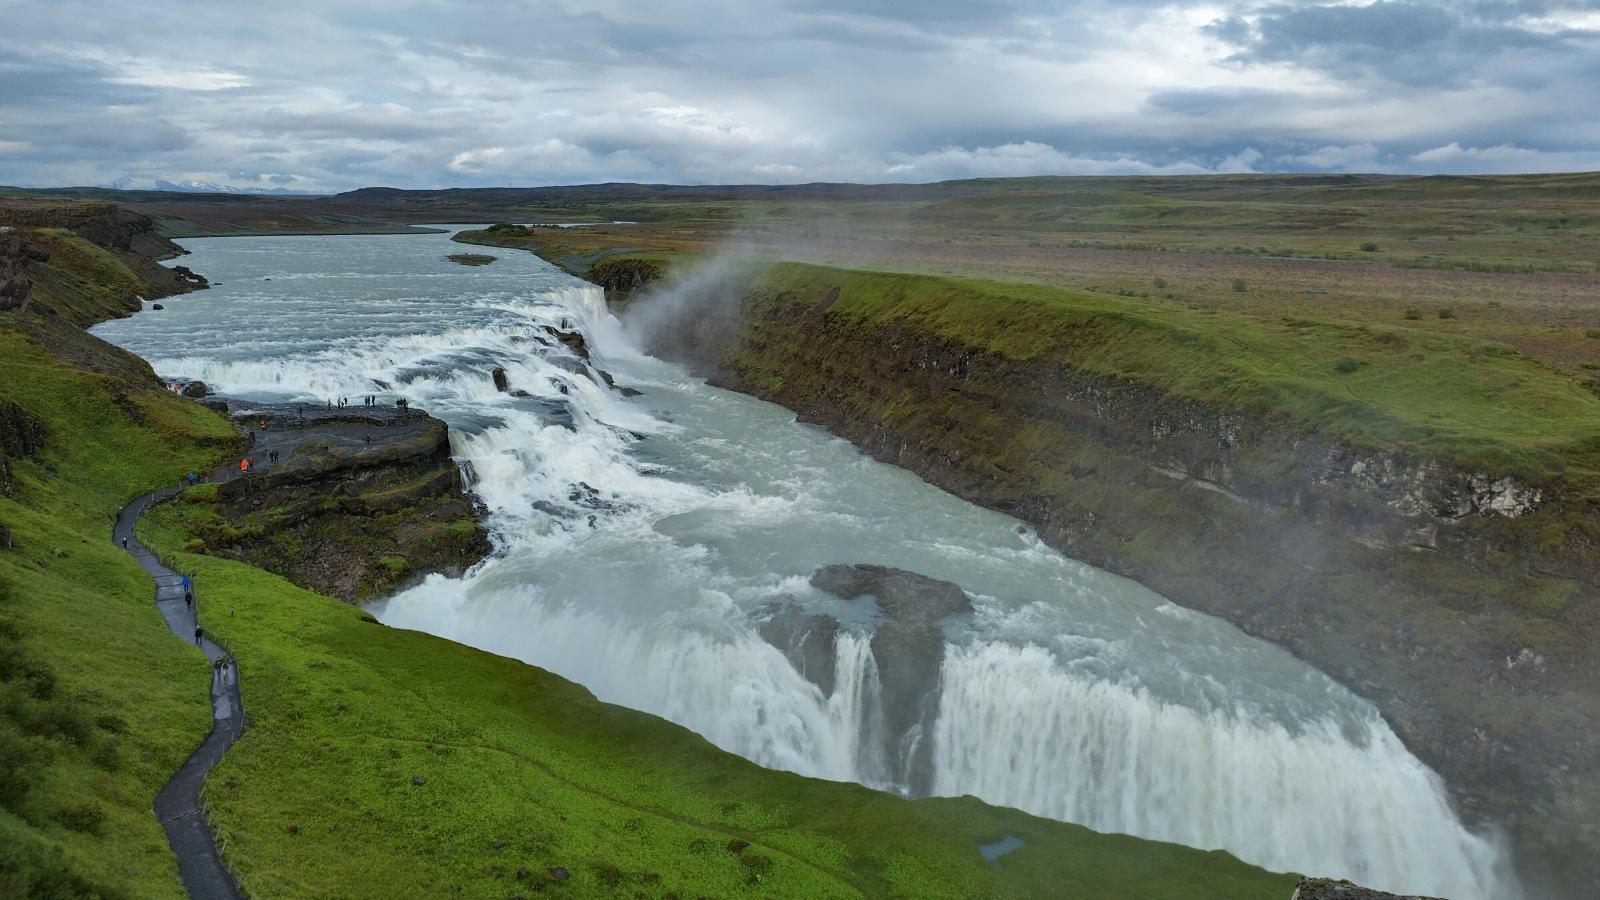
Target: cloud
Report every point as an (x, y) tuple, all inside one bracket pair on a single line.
[(1507, 158), (1241, 163), (152, 73), (1409, 42), (1362, 157), (412, 93), (1453, 151), (120, 133), (1025, 158)]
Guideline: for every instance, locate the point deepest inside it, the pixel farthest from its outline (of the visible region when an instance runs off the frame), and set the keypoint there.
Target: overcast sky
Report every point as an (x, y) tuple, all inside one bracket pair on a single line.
[(331, 95)]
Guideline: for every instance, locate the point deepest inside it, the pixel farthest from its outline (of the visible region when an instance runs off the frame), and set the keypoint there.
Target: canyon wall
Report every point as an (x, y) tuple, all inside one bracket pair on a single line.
[(1462, 601)]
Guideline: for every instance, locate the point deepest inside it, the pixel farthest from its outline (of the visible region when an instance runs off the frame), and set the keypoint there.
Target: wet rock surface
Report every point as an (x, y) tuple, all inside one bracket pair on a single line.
[(808, 642), (908, 645), (1328, 889)]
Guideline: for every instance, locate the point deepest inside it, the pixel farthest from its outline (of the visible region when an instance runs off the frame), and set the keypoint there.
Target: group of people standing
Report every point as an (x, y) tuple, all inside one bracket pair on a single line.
[(247, 463), (342, 402)]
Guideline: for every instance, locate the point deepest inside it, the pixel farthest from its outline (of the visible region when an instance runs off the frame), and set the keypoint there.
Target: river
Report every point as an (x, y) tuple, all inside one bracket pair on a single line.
[(642, 540)]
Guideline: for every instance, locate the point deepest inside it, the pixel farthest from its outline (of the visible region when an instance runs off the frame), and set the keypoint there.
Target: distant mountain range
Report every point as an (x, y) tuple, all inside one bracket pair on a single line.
[(129, 183)]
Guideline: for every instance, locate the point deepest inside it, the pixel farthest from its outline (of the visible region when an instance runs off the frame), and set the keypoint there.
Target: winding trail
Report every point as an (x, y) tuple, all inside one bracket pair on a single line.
[(178, 804)]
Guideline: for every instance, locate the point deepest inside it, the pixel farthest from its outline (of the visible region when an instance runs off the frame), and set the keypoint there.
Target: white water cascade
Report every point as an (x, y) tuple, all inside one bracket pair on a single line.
[(641, 541)]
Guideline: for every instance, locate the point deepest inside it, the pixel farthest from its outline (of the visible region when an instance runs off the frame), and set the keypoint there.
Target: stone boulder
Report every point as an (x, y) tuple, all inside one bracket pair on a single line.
[(573, 341), (501, 383)]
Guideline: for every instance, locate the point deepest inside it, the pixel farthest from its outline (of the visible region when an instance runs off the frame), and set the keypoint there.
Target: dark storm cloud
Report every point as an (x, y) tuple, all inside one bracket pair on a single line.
[(384, 123), (327, 96), (1223, 102), (1409, 42), (121, 133), (26, 79)]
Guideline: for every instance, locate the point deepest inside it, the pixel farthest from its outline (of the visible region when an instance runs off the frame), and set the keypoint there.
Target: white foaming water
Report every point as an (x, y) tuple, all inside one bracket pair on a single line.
[(642, 541)]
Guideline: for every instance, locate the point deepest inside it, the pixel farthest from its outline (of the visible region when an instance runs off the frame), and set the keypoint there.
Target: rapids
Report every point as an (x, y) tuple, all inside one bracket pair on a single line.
[(641, 541)]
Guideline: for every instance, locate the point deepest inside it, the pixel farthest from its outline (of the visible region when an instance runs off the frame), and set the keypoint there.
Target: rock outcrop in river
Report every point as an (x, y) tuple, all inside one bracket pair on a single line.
[(1453, 598), (359, 503), (908, 647)]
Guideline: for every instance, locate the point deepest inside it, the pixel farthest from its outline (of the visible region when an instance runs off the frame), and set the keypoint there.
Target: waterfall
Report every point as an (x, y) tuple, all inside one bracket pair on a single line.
[(1018, 730), (641, 542)]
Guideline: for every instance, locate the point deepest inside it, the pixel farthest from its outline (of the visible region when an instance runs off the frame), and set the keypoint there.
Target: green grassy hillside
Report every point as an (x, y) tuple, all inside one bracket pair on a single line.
[(98, 703)]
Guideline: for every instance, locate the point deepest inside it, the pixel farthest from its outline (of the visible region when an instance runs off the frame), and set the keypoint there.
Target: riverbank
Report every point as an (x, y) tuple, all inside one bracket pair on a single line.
[(1377, 499)]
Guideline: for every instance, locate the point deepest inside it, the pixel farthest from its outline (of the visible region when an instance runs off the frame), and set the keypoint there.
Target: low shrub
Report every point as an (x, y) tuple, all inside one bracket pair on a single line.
[(86, 817)]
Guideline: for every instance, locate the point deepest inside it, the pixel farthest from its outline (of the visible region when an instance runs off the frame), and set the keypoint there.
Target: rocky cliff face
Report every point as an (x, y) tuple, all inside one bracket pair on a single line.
[(1462, 602), (344, 517), (16, 255), (66, 266), (104, 224), (21, 435)]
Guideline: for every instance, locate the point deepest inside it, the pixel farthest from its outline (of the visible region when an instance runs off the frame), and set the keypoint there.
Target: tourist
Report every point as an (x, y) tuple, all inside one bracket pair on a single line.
[(198, 632)]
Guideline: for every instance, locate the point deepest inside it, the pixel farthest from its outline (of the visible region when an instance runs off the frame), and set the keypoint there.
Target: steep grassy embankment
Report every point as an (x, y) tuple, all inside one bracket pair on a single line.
[(382, 762), (1414, 513), (98, 703)]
